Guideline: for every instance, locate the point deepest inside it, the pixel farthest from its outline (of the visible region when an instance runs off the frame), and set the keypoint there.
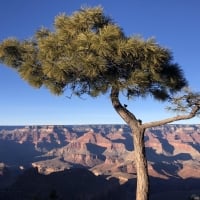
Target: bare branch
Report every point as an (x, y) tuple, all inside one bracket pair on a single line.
[(188, 104)]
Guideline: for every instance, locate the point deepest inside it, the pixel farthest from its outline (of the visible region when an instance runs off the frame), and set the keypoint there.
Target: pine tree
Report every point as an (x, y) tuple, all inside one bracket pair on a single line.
[(87, 53)]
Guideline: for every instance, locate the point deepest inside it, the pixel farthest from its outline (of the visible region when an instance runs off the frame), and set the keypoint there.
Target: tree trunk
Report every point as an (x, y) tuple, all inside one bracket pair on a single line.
[(142, 190), (138, 130)]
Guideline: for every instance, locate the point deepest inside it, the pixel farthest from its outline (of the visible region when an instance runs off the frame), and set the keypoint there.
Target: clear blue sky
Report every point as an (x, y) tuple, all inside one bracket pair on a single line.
[(174, 23)]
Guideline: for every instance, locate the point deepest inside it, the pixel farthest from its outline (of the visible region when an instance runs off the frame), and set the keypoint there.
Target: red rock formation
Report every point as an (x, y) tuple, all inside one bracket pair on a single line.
[(108, 150)]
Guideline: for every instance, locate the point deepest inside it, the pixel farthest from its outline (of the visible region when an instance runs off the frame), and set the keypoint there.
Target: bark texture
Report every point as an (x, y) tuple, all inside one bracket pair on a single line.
[(142, 189)]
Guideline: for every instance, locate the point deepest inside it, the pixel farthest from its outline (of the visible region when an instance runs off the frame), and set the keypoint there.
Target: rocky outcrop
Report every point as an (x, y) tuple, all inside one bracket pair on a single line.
[(172, 150)]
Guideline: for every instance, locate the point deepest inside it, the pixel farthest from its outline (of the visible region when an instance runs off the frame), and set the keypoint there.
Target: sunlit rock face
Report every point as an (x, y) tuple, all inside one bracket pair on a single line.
[(172, 150)]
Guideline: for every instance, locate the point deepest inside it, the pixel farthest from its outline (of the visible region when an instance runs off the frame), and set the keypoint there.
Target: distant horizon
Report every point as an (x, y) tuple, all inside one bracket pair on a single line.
[(93, 124)]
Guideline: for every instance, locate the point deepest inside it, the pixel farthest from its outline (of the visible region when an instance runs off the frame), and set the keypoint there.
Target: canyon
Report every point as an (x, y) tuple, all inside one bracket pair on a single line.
[(173, 151)]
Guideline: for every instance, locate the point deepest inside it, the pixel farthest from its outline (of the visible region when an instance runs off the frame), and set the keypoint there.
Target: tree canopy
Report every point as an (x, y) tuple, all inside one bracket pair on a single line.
[(87, 53), (90, 54)]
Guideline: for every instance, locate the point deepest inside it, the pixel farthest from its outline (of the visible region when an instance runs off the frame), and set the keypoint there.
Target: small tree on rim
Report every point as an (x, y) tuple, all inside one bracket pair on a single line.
[(88, 53)]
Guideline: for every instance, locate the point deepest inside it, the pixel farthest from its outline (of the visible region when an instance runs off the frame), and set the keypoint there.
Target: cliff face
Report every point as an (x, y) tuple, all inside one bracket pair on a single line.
[(172, 150)]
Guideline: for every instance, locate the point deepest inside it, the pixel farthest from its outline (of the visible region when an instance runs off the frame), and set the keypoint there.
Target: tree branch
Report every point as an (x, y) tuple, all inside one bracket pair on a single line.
[(126, 115), (192, 114)]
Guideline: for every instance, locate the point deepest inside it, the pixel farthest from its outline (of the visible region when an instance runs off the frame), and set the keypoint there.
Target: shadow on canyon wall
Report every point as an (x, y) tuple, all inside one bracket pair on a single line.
[(81, 184), (16, 154)]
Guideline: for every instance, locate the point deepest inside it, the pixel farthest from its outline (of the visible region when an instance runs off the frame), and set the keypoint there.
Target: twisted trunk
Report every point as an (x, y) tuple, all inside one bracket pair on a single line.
[(142, 189), (138, 130)]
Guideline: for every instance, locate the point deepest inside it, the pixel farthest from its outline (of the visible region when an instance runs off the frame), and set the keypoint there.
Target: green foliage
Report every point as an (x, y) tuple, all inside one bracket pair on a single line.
[(89, 54), (10, 52), (185, 101)]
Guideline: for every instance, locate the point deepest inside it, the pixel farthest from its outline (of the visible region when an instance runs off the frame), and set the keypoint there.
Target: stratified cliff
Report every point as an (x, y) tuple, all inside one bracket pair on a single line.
[(172, 150)]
